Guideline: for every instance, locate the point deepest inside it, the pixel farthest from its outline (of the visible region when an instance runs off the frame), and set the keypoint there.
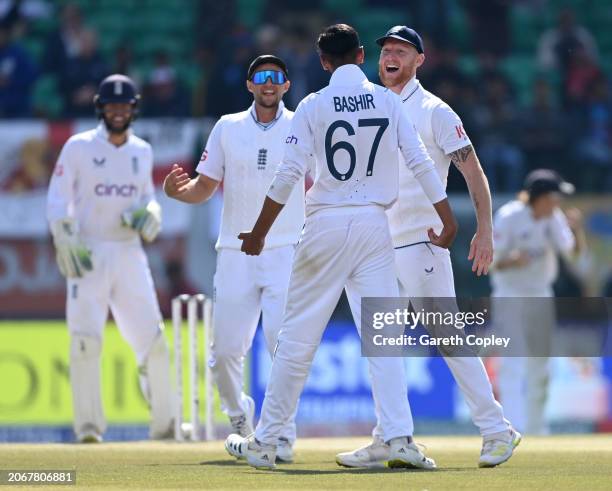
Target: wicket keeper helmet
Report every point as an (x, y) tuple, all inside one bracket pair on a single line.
[(117, 88)]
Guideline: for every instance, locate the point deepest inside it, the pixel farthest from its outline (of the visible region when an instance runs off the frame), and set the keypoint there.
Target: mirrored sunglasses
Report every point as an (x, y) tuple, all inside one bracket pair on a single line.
[(260, 78)]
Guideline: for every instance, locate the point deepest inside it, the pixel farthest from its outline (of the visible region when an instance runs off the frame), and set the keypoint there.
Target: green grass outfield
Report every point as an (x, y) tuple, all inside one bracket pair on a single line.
[(551, 463)]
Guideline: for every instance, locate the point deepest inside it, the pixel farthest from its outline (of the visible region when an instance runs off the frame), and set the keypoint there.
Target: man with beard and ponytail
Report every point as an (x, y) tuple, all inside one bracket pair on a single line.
[(100, 205), (243, 150), (424, 269)]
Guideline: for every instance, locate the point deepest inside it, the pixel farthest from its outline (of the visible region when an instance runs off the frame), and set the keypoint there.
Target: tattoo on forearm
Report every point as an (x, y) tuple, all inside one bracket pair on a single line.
[(458, 157)]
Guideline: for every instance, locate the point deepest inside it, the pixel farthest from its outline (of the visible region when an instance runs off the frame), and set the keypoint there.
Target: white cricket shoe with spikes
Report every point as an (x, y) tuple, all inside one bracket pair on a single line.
[(408, 455), (498, 448), (257, 454), (372, 456)]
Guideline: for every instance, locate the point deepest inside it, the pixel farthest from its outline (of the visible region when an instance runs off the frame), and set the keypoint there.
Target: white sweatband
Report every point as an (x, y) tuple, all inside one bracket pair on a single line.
[(279, 190), (432, 185)]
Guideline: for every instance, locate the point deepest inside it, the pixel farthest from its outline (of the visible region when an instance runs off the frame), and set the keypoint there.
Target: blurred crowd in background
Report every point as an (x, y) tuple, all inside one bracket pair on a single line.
[(530, 79)]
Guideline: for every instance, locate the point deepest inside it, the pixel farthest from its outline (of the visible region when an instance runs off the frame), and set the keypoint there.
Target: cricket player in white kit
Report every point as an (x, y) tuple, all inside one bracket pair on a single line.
[(423, 269), (100, 204), (243, 151), (354, 129), (530, 233)]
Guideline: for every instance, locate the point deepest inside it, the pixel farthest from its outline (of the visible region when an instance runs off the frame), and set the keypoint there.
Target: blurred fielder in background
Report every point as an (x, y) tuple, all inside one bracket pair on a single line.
[(243, 151), (100, 204), (424, 269), (530, 233), (354, 129)]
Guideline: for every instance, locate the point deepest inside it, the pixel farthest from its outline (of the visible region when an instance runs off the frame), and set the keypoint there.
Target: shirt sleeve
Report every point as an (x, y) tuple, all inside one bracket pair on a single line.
[(299, 148), (562, 235), (60, 195), (212, 161), (416, 157), (448, 131)]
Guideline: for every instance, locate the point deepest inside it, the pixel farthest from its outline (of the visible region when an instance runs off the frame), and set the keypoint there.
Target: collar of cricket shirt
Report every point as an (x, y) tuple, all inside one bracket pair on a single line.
[(347, 75), (409, 89), (267, 126), (102, 132)]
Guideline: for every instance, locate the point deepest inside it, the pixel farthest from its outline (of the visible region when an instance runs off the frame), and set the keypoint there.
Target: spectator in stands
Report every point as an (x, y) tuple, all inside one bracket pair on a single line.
[(203, 59), (81, 75), (226, 92), (545, 132), (497, 121), (305, 71), (567, 48), (65, 43), (582, 72), (123, 63), (17, 76), (556, 45), (595, 144), (489, 25), (445, 78), (165, 96), (18, 13)]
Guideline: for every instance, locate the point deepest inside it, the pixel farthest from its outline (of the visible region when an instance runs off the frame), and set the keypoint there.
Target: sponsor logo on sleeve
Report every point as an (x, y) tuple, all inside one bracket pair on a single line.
[(460, 132)]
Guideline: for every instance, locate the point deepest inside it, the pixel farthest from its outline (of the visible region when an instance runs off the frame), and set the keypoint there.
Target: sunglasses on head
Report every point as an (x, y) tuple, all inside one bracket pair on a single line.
[(260, 78)]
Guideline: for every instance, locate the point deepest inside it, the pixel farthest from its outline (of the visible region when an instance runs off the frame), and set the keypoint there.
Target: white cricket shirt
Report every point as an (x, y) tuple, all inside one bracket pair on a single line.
[(442, 133), (95, 182), (353, 128), (244, 154), (514, 228)]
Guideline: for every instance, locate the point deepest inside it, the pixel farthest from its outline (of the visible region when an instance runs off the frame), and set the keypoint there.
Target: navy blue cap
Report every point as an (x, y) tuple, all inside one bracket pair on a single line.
[(541, 181), (405, 34), (262, 60)]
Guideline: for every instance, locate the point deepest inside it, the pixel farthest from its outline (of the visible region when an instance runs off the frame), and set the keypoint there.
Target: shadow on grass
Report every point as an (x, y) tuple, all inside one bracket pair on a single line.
[(344, 470)]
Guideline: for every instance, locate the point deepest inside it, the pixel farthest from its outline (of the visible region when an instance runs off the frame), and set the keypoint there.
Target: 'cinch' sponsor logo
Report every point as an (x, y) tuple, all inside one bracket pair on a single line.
[(123, 190)]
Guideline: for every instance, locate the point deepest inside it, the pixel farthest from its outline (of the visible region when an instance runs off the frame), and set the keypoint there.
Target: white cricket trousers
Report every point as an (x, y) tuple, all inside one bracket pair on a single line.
[(522, 381), (425, 270), (246, 287), (348, 247), (121, 279)]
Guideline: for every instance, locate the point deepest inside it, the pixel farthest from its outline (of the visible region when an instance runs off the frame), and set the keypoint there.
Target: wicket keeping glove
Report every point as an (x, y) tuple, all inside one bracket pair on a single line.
[(146, 220), (72, 256)]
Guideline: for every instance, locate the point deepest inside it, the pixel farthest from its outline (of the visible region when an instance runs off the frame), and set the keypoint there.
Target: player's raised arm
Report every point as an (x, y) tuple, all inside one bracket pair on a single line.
[(211, 169), (423, 168), (180, 186)]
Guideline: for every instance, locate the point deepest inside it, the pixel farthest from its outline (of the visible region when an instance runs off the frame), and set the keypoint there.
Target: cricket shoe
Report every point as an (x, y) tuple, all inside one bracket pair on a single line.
[(404, 454), (89, 435), (284, 451), (243, 423), (236, 445), (372, 456), (498, 447), (260, 455)]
